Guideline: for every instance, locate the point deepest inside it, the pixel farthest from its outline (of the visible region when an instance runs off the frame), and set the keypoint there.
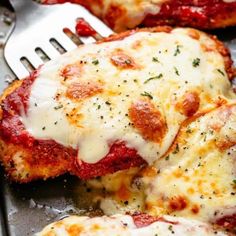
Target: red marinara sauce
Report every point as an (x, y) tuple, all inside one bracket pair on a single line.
[(84, 29), (228, 221), (143, 220), (203, 14)]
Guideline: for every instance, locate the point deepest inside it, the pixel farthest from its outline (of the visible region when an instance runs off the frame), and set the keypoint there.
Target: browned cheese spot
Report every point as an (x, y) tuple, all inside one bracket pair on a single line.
[(71, 71), (195, 209), (223, 116), (81, 90), (148, 120), (224, 144), (123, 61), (220, 101), (149, 171), (178, 203), (74, 229), (137, 44), (189, 104), (123, 192), (194, 34)]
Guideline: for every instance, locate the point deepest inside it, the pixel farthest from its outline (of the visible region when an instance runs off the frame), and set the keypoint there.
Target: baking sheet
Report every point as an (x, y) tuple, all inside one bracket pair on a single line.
[(26, 209)]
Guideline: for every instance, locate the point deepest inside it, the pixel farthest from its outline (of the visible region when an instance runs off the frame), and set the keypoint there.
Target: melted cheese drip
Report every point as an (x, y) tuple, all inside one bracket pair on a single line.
[(199, 172), (123, 225), (91, 129), (123, 192)]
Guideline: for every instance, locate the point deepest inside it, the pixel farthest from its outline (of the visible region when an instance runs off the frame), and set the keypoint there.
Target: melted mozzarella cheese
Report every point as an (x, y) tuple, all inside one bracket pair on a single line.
[(196, 180), (123, 193), (123, 225), (132, 9), (164, 70), (44, 115)]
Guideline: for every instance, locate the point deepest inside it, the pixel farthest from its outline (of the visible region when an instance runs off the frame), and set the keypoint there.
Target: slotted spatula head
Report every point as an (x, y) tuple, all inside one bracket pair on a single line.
[(39, 29)]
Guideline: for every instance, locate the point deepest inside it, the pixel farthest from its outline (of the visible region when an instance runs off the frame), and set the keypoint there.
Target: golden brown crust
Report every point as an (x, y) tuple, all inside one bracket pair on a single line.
[(22, 165), (12, 87)]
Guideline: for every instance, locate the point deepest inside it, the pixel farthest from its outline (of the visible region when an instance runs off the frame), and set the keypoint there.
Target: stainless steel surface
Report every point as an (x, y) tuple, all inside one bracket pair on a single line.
[(30, 207), (36, 25), (6, 25)]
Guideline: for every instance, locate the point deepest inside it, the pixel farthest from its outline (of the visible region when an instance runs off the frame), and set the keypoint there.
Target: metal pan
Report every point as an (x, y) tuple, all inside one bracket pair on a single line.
[(27, 208)]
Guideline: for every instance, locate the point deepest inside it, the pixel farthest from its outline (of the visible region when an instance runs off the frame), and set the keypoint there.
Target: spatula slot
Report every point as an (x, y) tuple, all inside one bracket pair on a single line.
[(57, 45), (44, 57), (26, 63), (43, 32), (75, 39)]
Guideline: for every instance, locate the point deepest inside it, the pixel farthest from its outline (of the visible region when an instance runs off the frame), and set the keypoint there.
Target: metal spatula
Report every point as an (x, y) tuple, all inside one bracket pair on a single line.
[(39, 33)]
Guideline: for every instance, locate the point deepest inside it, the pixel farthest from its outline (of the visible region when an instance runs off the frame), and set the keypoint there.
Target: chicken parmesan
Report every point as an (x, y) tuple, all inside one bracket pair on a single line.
[(111, 105), (196, 182), (194, 179), (199, 170), (125, 225), (121, 15)]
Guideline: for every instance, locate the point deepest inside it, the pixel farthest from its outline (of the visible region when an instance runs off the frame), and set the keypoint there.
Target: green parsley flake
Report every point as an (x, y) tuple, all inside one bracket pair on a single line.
[(176, 149), (176, 71), (189, 131), (152, 78), (147, 94), (221, 72), (95, 62), (196, 62), (177, 50), (58, 107), (155, 59)]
